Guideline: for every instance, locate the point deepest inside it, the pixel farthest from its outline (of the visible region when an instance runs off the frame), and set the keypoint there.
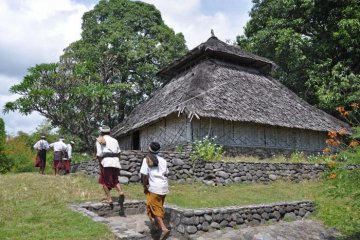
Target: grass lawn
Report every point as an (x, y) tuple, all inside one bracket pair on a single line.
[(35, 206)]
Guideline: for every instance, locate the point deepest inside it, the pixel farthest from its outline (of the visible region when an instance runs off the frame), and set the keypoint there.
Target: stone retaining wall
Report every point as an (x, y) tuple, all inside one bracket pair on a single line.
[(183, 169), (191, 221), (188, 221)]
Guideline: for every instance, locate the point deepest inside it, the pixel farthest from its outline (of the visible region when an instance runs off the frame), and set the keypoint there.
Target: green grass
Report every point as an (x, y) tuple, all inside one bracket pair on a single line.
[(296, 157), (35, 206)]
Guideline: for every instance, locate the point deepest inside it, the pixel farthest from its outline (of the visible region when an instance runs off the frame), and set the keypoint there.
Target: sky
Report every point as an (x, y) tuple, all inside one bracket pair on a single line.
[(36, 31)]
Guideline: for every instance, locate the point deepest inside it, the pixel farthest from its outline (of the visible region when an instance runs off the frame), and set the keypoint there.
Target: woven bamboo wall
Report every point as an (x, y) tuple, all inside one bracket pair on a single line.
[(255, 135), (125, 142), (175, 131), (169, 132)]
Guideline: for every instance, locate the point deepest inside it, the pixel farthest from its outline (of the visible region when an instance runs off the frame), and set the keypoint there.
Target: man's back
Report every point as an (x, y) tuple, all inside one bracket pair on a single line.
[(59, 146), (41, 145), (111, 146)]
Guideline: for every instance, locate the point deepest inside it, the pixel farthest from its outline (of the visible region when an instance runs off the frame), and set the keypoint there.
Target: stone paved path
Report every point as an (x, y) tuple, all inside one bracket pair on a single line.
[(297, 230)]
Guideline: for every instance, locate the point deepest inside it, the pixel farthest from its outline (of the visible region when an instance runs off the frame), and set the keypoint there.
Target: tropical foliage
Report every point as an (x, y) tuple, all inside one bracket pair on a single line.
[(315, 43), (20, 154), (341, 180)]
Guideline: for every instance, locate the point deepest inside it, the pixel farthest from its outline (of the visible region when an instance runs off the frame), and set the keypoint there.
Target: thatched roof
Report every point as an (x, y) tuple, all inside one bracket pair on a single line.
[(216, 49), (217, 89)]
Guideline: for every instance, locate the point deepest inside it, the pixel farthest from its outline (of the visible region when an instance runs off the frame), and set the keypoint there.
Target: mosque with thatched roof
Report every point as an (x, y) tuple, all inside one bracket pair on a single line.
[(218, 90)]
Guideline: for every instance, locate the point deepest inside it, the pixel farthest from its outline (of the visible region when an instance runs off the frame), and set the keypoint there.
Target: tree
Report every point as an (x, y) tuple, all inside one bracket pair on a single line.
[(100, 78), (4, 161), (316, 44)]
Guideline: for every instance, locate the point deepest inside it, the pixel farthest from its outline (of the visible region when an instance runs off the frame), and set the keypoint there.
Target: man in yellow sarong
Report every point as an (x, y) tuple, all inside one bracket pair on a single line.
[(154, 171)]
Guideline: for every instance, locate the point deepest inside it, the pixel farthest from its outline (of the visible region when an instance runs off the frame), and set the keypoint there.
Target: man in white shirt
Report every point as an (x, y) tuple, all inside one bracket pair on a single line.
[(67, 158), (107, 153), (59, 151), (41, 147), (154, 177)]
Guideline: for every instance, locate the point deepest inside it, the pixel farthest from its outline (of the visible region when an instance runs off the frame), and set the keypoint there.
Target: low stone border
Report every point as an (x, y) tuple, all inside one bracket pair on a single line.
[(191, 221)]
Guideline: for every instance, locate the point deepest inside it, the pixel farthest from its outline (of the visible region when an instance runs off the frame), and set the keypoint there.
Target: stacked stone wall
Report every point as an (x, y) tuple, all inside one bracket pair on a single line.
[(191, 221), (183, 169)]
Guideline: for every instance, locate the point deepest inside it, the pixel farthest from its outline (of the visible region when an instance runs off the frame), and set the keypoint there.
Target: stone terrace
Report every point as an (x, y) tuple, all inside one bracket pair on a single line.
[(190, 222)]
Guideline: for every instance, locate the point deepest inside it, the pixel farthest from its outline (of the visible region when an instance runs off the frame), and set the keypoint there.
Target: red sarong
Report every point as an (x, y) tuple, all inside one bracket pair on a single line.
[(41, 159), (58, 164), (109, 177), (66, 165)]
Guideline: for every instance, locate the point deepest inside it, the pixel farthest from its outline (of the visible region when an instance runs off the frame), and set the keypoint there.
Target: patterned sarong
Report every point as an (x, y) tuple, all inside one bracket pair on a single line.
[(58, 156)]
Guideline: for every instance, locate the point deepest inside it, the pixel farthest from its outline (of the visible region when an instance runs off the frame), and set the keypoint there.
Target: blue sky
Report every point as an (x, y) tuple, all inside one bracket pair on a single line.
[(37, 31)]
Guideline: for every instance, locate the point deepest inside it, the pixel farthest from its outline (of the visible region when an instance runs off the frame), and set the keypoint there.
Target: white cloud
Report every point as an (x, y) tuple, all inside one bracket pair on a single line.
[(14, 121), (32, 32), (36, 31), (188, 17)]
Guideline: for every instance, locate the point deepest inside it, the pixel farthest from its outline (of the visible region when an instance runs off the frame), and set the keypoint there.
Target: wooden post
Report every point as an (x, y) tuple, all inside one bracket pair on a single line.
[(189, 131)]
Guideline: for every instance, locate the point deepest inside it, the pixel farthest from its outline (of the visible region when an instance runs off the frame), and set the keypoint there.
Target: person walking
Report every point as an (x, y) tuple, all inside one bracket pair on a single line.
[(67, 157), (59, 152), (108, 155), (41, 147), (154, 178)]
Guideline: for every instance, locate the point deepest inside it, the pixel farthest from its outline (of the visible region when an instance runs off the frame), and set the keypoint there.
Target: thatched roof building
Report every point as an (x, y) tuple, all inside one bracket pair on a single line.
[(220, 90)]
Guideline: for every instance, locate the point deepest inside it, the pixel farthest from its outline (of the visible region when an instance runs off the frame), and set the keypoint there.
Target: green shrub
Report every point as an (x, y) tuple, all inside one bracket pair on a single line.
[(318, 158), (342, 183), (179, 149), (21, 156), (297, 157), (300, 157), (206, 149), (5, 163)]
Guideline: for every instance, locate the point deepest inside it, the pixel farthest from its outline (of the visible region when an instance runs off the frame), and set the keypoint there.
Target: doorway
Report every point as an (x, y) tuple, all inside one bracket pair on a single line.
[(136, 140)]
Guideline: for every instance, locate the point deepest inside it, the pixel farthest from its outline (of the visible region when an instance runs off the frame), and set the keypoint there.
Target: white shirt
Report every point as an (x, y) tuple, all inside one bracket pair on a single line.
[(59, 146), (69, 150), (158, 182), (41, 144), (111, 146)]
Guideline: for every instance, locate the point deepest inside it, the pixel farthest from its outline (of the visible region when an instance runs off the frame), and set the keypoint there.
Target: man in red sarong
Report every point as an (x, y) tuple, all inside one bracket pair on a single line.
[(67, 159), (59, 150), (108, 155), (41, 147)]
